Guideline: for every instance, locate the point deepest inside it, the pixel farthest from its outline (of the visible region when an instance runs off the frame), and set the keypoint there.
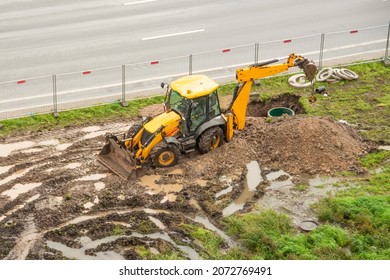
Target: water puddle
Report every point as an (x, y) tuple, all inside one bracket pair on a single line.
[(18, 189), (253, 180), (279, 179), (92, 177), (378, 170), (31, 151), (99, 186), (322, 181), (88, 205), (121, 224), (86, 243), (153, 188), (207, 224), (154, 251), (15, 175), (226, 181), (73, 165), (282, 196), (201, 182), (91, 129), (53, 142), (7, 149), (253, 176), (194, 203), (63, 147), (169, 197), (154, 211), (5, 169), (176, 172), (157, 222), (84, 218), (94, 135)]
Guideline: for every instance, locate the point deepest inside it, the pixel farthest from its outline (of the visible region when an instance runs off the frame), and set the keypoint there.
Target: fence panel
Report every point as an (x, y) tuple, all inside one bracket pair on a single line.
[(26, 97), (221, 65), (309, 47), (89, 88), (355, 45), (144, 79)]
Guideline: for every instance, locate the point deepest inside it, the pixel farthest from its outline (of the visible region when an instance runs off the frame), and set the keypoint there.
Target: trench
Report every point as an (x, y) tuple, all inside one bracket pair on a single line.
[(260, 109)]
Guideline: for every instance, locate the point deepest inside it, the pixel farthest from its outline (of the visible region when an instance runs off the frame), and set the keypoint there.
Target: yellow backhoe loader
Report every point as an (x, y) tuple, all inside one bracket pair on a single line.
[(192, 119)]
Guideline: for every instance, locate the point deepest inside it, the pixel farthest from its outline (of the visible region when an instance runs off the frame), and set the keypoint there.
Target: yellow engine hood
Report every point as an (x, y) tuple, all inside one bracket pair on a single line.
[(168, 120)]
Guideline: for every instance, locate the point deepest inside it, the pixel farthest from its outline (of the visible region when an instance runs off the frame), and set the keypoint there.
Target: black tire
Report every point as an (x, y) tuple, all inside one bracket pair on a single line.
[(165, 155), (210, 139)]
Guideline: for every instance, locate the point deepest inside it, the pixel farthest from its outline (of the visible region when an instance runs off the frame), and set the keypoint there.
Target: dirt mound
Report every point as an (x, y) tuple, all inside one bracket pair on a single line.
[(309, 145), (297, 145)]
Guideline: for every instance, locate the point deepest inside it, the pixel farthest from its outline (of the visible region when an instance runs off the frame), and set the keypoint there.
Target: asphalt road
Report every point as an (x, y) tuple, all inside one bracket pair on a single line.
[(39, 37)]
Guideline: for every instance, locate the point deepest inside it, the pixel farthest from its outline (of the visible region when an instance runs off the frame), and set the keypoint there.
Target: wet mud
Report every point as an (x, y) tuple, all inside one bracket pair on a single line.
[(58, 202)]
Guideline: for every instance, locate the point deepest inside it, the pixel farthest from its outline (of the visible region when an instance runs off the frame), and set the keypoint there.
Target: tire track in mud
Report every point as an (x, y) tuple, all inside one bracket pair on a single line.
[(52, 181)]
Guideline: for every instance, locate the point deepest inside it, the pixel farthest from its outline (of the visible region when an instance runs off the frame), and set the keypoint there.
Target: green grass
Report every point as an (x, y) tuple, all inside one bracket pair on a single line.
[(118, 230), (375, 159), (364, 103)]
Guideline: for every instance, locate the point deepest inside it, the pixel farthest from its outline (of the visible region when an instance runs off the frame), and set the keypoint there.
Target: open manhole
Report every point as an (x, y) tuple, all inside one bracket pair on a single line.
[(308, 225), (289, 101), (280, 111)]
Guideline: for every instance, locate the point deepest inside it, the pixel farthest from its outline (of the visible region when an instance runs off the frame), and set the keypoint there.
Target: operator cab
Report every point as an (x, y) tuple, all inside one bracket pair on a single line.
[(195, 99)]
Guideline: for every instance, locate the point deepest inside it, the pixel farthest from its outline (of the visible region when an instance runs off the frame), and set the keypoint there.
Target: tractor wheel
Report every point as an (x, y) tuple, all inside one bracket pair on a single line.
[(166, 155), (211, 139)]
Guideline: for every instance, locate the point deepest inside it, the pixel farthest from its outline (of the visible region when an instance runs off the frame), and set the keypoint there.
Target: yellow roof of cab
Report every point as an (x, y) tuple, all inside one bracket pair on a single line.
[(194, 86)]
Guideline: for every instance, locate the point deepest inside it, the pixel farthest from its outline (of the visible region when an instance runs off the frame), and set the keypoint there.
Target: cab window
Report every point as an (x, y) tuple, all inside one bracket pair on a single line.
[(198, 112), (214, 109)]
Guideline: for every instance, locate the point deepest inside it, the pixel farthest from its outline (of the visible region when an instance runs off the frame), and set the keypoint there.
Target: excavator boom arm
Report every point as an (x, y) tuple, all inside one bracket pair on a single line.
[(246, 76)]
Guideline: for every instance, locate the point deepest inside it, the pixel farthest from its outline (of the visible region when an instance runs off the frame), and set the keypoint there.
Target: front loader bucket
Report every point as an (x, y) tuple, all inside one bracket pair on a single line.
[(116, 159)]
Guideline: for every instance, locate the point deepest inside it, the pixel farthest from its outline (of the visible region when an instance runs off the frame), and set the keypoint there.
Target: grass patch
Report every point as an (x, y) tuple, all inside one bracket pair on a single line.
[(118, 230), (364, 103), (375, 159)]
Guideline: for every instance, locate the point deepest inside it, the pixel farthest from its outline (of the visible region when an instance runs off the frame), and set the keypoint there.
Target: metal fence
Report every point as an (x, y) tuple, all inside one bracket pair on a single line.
[(62, 92)]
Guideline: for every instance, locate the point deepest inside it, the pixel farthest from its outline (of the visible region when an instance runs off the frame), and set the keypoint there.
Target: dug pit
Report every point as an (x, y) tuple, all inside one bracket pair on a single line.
[(257, 108)]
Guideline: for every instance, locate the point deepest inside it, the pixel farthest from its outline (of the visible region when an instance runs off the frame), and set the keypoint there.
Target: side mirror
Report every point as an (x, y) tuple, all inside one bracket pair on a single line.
[(167, 108), (163, 85)]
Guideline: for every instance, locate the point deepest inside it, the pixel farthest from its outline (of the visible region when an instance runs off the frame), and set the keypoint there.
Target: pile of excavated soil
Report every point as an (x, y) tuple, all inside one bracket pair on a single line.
[(309, 145), (297, 145)]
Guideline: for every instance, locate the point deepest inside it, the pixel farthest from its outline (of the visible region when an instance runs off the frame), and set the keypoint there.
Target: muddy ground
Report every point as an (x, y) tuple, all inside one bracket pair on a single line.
[(58, 202)]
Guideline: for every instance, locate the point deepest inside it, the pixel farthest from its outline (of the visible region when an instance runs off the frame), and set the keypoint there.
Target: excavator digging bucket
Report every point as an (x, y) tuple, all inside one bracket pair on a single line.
[(116, 159), (309, 68)]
